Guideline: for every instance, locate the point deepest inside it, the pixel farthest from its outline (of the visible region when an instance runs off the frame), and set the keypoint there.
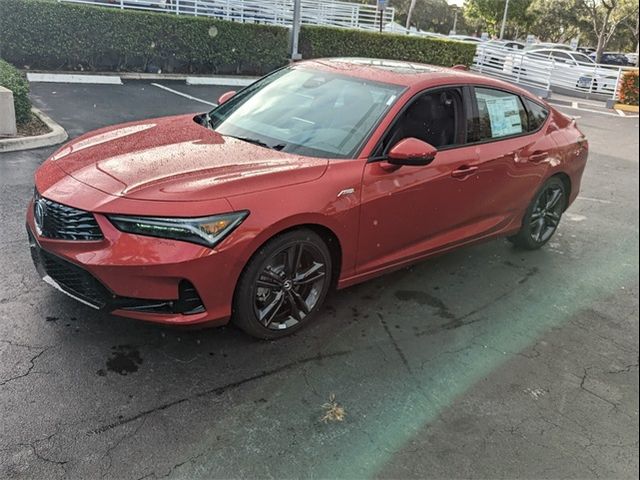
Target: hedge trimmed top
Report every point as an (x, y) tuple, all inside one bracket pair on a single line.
[(45, 34)]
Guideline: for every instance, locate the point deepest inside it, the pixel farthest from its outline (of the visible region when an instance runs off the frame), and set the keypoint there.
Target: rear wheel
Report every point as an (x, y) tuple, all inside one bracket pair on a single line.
[(543, 216), (283, 285)]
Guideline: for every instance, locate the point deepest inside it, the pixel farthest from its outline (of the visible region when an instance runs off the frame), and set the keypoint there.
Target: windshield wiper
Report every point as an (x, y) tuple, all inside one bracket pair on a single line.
[(260, 143)]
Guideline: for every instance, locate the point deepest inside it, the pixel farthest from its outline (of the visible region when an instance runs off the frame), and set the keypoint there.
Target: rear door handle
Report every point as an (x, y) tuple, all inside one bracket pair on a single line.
[(538, 156), (464, 171)]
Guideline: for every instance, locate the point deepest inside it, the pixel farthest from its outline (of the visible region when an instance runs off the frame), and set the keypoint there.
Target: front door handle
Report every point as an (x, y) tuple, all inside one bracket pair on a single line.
[(464, 171)]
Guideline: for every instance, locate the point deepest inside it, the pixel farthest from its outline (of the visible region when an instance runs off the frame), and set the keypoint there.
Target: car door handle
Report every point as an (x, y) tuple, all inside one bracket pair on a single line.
[(538, 156), (464, 171)]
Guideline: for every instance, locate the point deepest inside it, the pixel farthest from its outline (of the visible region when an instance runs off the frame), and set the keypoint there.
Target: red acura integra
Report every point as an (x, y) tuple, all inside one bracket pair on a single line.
[(326, 173)]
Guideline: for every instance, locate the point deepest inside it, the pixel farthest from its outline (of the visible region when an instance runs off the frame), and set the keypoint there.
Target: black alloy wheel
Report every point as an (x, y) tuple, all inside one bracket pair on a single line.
[(543, 216), (283, 285)]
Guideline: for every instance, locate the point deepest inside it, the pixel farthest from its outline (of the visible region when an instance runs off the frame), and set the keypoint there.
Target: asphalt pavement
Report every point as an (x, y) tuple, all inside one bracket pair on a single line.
[(484, 363)]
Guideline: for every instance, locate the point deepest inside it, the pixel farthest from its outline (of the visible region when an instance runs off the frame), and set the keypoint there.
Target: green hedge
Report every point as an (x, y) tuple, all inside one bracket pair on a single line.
[(45, 34), (12, 79), (317, 42), (50, 35)]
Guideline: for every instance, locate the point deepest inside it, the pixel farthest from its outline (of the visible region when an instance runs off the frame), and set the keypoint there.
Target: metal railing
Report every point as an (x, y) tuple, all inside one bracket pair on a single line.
[(275, 12), (537, 71)]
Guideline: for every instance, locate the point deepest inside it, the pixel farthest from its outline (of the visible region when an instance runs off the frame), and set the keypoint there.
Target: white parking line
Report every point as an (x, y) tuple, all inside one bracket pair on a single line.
[(597, 200), (185, 95), (581, 109)]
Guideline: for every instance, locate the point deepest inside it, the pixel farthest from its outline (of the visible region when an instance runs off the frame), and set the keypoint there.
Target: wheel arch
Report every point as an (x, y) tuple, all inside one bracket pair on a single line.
[(325, 232)]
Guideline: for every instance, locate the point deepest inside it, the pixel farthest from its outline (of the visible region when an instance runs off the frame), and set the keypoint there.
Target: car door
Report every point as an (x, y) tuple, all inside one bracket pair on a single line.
[(408, 211), (513, 154)]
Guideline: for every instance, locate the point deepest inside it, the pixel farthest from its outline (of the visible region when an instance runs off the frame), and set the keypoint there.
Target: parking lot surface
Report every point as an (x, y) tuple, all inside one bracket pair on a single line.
[(484, 363)]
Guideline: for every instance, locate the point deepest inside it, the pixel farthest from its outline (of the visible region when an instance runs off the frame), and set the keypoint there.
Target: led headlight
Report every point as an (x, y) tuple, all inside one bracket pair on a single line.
[(207, 231)]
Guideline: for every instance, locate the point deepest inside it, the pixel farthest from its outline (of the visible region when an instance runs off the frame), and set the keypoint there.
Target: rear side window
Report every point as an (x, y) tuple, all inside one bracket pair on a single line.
[(537, 114), (500, 114)]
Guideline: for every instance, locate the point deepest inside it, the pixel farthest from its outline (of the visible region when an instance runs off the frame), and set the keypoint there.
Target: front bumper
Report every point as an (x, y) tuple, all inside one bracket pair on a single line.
[(145, 278)]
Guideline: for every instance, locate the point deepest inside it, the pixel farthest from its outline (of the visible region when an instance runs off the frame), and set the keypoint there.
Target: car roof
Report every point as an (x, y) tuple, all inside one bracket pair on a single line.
[(406, 74)]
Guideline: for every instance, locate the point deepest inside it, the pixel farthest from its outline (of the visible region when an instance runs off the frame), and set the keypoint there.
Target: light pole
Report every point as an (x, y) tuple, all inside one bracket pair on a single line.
[(504, 19), (455, 21), (410, 13)]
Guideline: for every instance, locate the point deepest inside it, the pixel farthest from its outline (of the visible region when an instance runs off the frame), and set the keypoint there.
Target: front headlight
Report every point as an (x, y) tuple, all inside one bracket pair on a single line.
[(207, 231)]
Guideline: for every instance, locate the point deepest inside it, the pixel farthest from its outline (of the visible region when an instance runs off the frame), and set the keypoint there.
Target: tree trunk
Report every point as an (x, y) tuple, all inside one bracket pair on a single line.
[(603, 36)]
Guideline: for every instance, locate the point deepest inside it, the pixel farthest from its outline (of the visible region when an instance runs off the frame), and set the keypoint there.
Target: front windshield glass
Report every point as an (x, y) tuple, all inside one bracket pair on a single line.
[(307, 112)]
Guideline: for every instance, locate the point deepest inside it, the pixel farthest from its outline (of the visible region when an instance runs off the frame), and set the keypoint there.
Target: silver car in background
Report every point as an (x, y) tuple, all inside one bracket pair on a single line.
[(562, 68)]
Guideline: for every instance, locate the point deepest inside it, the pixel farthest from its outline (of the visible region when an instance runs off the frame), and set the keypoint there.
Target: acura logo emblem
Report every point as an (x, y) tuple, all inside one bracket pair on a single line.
[(39, 211)]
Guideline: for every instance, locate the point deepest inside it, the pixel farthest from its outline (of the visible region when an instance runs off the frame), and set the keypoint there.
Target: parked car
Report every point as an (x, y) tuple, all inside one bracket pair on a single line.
[(568, 69), (324, 173), (465, 38), (492, 53), (632, 58), (612, 58), (548, 46), (586, 50)]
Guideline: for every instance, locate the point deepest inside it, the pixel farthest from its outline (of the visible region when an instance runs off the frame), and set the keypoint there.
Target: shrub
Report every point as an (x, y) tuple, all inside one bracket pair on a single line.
[(50, 35), (316, 42), (12, 79), (629, 88), (46, 34)]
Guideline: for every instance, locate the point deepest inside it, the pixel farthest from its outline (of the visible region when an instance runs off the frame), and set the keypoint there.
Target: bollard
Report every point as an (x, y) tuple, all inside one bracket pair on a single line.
[(7, 114)]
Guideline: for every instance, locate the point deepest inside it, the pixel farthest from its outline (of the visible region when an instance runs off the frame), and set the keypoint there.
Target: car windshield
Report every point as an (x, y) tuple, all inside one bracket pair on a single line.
[(306, 111)]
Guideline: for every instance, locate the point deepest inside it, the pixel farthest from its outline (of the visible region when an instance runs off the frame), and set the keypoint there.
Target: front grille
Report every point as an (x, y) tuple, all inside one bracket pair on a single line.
[(71, 278), (61, 222)]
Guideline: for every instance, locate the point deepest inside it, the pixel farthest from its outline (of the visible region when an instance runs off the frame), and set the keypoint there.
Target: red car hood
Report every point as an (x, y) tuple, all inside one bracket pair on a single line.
[(176, 159)]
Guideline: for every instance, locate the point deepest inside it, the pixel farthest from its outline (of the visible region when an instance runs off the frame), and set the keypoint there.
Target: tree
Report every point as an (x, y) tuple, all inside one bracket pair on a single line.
[(487, 15), (555, 21), (604, 16)]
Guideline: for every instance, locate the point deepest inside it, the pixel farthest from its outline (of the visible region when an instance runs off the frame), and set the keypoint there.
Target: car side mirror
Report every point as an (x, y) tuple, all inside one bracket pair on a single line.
[(412, 152), (225, 97)]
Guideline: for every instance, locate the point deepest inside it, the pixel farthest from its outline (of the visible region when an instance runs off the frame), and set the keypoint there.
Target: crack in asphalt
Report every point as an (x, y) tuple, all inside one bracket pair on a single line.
[(29, 370), (395, 344), (126, 436), (218, 390)]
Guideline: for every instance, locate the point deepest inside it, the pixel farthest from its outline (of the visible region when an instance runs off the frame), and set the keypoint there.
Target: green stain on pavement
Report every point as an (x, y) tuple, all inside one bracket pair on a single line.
[(474, 352)]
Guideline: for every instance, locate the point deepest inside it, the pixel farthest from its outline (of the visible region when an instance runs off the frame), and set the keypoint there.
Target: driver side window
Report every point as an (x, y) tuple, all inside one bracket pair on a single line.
[(434, 117)]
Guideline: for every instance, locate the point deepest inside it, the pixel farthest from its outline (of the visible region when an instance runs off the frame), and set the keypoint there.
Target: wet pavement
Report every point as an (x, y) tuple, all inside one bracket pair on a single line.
[(484, 363)]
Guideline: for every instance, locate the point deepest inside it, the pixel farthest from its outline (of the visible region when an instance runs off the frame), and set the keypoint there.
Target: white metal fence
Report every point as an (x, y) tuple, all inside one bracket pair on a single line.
[(543, 72), (275, 12)]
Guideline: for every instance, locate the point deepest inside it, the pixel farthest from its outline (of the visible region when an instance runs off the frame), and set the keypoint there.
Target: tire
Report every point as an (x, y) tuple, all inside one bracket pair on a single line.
[(543, 216), (283, 285)]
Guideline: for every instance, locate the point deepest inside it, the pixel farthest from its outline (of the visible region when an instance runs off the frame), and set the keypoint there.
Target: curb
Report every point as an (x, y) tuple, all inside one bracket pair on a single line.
[(55, 136), (74, 78), (627, 108), (222, 81), (107, 78)]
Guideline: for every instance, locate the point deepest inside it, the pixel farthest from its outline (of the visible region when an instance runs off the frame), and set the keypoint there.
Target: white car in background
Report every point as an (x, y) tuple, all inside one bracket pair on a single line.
[(563, 68), (632, 58), (465, 38)]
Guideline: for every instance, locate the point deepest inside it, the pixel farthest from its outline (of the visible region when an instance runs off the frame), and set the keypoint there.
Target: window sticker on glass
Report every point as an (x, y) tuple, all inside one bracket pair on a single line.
[(504, 114)]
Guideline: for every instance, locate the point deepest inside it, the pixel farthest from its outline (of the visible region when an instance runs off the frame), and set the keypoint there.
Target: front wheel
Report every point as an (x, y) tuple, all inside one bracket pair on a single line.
[(283, 285), (543, 216)]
